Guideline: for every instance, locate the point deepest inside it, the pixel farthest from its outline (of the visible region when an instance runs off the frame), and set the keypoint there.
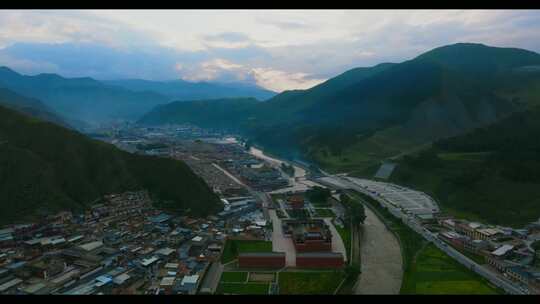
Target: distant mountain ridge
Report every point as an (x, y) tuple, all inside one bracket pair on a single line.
[(367, 114), (93, 101), (184, 90)]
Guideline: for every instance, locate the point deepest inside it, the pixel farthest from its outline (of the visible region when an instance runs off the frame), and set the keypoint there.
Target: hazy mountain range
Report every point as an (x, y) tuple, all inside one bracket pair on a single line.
[(89, 101)]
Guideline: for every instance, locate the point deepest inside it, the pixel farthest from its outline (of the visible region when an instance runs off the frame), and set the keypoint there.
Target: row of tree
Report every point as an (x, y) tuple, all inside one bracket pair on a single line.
[(356, 213)]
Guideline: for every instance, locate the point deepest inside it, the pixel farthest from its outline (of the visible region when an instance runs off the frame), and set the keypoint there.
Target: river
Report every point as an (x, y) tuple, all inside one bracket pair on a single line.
[(298, 182)]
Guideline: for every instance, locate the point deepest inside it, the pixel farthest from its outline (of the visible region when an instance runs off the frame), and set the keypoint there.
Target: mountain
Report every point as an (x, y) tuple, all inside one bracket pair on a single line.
[(86, 101), (213, 113), (490, 174), (45, 168), (29, 106), (184, 90), (364, 115), (82, 99)]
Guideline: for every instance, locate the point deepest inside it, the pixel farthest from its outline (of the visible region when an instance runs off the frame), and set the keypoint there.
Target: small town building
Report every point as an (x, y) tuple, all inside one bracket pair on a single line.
[(319, 260), (261, 260)]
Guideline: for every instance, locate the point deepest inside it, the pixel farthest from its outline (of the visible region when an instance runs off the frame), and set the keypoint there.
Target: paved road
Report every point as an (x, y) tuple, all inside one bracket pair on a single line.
[(280, 243), (229, 175), (380, 259), (211, 280)]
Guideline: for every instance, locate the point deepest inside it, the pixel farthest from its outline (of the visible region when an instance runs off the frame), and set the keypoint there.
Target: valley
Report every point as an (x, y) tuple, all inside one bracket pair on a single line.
[(415, 177)]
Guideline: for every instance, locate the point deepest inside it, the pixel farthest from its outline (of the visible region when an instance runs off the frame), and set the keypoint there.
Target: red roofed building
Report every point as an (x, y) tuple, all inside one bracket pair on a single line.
[(261, 260), (296, 202), (319, 260)]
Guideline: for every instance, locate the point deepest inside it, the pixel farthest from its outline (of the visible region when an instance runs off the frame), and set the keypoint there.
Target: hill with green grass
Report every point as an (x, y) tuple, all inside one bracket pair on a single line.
[(364, 115), (46, 168), (491, 174)]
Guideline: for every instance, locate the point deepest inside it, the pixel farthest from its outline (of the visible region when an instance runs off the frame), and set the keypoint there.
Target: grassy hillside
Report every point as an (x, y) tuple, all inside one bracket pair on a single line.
[(46, 168), (491, 174), (352, 121)]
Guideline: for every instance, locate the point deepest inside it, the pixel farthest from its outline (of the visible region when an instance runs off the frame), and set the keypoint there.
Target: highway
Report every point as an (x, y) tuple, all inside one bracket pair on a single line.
[(343, 183)]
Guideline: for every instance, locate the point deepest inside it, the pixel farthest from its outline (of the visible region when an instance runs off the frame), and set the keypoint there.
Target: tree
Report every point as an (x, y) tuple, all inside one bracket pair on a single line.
[(352, 271), (355, 209), (234, 247), (318, 194)]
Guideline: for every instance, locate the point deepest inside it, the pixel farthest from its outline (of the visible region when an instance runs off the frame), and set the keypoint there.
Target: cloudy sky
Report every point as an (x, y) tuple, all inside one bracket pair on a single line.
[(278, 50)]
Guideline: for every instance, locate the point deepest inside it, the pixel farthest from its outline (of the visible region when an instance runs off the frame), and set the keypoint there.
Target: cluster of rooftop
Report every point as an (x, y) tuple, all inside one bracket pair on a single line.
[(122, 245), (505, 250)]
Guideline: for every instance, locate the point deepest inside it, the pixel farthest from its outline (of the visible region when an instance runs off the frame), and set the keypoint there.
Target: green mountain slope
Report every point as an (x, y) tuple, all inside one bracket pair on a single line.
[(355, 120), (184, 90), (214, 113), (46, 168), (31, 107), (490, 174)]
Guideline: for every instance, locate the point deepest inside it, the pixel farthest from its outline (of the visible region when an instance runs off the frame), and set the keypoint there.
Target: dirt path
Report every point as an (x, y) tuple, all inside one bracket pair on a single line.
[(381, 259)]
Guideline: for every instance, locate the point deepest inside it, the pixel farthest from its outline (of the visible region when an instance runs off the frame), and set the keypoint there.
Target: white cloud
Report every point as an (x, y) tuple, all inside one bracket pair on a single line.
[(278, 81), (296, 47), (226, 71), (216, 69)]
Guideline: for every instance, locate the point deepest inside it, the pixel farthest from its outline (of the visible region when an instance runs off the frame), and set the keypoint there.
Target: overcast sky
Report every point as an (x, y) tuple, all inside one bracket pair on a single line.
[(278, 50)]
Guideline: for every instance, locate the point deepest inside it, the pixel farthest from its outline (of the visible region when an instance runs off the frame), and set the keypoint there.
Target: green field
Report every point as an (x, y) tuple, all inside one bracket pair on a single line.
[(298, 213), (324, 212), (234, 277), (437, 273), (233, 247), (313, 282), (427, 270), (243, 288)]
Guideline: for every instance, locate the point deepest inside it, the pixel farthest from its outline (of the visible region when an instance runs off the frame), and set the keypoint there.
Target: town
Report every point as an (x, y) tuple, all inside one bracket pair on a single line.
[(281, 231), (124, 245)]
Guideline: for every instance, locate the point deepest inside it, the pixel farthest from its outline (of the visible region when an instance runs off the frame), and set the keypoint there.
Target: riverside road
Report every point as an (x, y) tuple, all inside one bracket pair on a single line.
[(346, 183)]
